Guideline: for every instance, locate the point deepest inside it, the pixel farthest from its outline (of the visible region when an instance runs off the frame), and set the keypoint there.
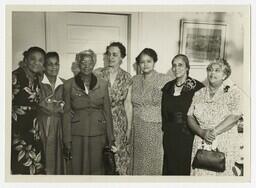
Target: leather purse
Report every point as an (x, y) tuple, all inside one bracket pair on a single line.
[(209, 160), (109, 161)]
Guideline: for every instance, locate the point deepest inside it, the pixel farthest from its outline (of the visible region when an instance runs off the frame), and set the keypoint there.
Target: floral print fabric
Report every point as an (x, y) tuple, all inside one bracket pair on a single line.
[(147, 141), (118, 92), (209, 112), (27, 151)]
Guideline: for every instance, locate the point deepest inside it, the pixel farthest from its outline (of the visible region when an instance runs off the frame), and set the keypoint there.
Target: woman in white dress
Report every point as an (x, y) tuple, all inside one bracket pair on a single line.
[(213, 115)]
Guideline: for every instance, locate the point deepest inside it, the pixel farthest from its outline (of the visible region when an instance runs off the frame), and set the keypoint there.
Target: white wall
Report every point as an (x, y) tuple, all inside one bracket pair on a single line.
[(28, 29), (160, 31)]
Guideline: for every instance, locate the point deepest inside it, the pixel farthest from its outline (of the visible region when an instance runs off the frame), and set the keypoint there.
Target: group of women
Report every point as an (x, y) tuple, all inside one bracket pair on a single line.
[(154, 124)]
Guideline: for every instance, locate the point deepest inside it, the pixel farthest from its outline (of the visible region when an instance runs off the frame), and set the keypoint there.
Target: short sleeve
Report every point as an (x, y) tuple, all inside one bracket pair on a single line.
[(164, 79), (234, 101), (129, 79), (195, 100)]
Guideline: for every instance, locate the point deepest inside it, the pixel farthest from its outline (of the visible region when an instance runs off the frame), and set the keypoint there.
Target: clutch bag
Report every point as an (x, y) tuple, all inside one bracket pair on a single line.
[(109, 161), (209, 160)]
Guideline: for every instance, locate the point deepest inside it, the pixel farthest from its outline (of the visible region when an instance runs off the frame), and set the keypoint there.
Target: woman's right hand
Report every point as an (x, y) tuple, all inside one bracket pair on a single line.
[(208, 135), (67, 151)]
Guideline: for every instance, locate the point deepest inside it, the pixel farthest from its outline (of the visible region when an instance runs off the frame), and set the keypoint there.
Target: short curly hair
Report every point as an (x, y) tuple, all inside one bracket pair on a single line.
[(86, 53), (120, 46), (223, 64), (32, 50), (147, 51), (51, 55)]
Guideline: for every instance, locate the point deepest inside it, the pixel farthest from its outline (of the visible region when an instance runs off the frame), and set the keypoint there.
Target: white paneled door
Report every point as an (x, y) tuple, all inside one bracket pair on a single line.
[(70, 33)]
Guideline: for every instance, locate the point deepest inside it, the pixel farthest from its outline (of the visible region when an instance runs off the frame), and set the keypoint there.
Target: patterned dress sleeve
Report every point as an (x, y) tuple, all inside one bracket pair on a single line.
[(127, 82), (195, 100), (159, 83), (233, 101), (15, 91)]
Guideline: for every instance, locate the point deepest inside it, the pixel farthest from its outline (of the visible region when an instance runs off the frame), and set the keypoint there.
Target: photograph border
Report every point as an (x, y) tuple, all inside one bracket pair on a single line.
[(128, 8)]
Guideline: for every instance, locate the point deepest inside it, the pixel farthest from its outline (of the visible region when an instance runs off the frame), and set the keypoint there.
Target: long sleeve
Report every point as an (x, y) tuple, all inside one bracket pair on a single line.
[(163, 111), (108, 116), (67, 114)]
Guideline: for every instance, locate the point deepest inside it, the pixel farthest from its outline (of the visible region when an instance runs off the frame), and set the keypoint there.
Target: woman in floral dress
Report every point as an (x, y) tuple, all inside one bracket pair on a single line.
[(50, 115), (213, 114), (27, 155), (146, 100), (119, 91)]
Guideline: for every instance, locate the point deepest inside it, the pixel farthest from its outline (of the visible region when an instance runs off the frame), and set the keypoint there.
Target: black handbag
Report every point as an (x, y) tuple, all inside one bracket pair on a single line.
[(109, 161), (209, 160)]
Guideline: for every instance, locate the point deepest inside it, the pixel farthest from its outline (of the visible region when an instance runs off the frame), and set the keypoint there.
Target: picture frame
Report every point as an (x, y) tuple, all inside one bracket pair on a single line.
[(202, 42)]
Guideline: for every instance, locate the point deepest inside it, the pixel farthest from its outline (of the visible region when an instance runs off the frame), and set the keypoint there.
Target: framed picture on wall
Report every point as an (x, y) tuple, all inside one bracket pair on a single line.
[(202, 42)]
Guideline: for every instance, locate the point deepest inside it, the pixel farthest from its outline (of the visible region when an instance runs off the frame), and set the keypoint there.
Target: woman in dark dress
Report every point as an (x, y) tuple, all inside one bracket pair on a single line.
[(176, 99), (27, 151)]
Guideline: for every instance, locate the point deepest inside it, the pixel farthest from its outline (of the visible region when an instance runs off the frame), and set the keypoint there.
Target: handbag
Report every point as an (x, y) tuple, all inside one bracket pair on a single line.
[(212, 160), (109, 161)]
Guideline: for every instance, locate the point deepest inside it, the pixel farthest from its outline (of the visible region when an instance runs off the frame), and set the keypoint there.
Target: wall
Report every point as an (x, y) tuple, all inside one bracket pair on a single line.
[(28, 29), (160, 31)]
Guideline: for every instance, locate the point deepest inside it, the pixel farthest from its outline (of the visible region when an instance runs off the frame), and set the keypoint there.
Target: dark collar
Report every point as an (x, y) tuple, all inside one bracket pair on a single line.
[(80, 82), (169, 87)]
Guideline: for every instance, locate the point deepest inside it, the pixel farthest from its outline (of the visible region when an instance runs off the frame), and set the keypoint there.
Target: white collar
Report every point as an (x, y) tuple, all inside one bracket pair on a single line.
[(46, 81)]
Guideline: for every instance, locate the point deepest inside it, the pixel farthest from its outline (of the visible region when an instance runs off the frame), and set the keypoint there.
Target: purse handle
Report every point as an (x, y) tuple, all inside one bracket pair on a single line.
[(211, 145)]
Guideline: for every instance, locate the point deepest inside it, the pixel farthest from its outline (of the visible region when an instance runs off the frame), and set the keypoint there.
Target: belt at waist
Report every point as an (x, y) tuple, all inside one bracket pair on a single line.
[(89, 108), (54, 114), (177, 117), (177, 121)]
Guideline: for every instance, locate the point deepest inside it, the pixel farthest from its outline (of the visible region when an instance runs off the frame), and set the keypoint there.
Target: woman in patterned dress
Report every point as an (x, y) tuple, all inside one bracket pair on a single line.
[(119, 91), (50, 115), (146, 100), (176, 99), (27, 155), (213, 115)]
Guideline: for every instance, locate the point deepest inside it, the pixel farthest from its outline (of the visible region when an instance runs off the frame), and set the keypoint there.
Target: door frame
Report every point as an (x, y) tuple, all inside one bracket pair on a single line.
[(133, 39)]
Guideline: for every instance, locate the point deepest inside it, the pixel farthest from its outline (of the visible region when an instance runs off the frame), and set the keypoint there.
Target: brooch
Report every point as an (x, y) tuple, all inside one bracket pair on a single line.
[(226, 89), (189, 84)]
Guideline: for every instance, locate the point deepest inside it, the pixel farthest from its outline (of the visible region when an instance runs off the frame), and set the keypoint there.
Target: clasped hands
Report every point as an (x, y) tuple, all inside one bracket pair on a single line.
[(208, 135)]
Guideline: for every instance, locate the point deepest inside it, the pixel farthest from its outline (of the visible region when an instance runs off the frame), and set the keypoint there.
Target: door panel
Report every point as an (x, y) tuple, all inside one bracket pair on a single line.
[(70, 33)]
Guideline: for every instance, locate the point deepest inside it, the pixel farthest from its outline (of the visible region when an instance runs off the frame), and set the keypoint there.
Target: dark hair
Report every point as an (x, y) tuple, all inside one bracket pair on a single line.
[(184, 59), (147, 51), (120, 46), (32, 50), (52, 54)]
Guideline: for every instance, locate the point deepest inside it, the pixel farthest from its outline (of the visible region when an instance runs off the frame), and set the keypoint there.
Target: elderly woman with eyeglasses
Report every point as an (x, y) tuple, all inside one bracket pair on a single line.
[(90, 128), (212, 116)]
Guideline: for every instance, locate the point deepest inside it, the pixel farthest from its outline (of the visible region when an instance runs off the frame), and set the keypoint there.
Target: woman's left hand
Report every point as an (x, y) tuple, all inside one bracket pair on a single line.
[(114, 148), (210, 136)]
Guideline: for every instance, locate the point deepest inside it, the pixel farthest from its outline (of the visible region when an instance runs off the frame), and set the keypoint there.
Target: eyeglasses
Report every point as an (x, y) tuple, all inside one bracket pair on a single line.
[(217, 70)]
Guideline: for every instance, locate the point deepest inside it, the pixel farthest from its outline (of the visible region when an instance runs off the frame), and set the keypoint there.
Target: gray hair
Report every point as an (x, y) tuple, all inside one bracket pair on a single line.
[(223, 64), (86, 53)]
